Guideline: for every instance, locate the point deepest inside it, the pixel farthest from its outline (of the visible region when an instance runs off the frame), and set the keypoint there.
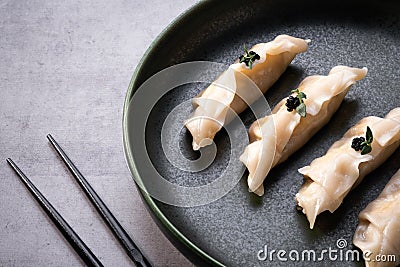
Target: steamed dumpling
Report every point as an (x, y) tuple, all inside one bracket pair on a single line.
[(378, 231), (211, 106), (329, 179), (275, 137)]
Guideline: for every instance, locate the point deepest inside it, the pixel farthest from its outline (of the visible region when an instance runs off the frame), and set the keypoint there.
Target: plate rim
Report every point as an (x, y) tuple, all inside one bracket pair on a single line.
[(132, 87)]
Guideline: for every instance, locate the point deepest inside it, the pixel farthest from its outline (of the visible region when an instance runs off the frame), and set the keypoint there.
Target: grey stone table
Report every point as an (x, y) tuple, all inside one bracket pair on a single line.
[(64, 69)]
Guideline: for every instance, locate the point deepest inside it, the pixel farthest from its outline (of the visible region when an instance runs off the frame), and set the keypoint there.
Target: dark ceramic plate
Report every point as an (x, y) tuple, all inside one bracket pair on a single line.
[(232, 230)]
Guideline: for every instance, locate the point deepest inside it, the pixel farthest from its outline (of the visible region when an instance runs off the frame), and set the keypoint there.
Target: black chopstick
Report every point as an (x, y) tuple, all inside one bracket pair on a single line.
[(80, 247), (130, 247)]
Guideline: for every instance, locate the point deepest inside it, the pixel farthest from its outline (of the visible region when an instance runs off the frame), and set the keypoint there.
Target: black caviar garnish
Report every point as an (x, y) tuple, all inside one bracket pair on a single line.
[(356, 144), (292, 103), (297, 103), (363, 144), (248, 58)]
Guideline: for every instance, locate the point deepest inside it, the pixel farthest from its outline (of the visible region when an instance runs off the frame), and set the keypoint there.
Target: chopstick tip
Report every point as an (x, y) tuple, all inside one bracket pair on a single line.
[(11, 162)]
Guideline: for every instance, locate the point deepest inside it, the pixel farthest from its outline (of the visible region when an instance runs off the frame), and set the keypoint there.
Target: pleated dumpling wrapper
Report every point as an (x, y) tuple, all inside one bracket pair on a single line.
[(211, 106), (275, 137), (330, 178), (378, 230)]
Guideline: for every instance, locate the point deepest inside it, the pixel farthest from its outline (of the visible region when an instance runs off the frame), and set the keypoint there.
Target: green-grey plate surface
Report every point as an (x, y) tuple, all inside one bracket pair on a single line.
[(233, 229)]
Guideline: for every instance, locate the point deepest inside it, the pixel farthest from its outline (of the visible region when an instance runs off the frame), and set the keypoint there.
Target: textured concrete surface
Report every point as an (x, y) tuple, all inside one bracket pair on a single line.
[(64, 69)]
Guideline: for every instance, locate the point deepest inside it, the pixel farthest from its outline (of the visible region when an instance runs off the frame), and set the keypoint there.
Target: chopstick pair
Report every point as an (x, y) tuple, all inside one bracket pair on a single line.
[(80, 247)]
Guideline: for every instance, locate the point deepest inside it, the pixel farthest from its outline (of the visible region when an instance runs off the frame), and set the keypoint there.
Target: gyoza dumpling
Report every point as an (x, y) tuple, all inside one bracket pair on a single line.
[(290, 131), (261, 70), (378, 230), (329, 178)]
